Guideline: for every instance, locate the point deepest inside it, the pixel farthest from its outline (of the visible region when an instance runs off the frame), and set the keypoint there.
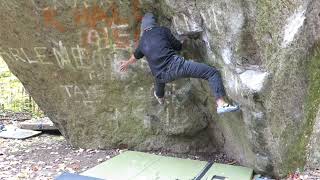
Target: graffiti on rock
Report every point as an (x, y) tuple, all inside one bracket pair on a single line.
[(97, 23)]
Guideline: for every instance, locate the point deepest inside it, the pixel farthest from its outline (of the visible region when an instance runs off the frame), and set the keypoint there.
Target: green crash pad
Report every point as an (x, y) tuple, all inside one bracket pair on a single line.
[(132, 165), (222, 171)]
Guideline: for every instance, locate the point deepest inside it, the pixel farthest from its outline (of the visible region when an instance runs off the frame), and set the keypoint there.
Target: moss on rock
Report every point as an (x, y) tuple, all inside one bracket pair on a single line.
[(296, 152)]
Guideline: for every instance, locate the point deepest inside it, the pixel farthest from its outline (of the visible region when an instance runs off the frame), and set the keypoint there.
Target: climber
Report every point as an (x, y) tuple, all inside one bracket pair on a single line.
[(158, 45)]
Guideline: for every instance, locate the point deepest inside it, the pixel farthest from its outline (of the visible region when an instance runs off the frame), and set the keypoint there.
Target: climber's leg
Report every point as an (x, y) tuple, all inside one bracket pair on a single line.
[(189, 69), (159, 91)]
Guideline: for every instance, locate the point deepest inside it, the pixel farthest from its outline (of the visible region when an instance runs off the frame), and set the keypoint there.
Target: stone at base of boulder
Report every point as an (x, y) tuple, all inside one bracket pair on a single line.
[(40, 125), (16, 133)]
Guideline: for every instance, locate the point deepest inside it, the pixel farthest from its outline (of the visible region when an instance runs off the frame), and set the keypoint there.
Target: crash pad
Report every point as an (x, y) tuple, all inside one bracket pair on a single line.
[(228, 172), (143, 166), (17, 133), (71, 176)]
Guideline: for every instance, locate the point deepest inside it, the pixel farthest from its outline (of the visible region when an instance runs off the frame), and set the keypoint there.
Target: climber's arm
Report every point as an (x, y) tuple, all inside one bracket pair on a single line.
[(136, 55), (125, 64), (175, 43)]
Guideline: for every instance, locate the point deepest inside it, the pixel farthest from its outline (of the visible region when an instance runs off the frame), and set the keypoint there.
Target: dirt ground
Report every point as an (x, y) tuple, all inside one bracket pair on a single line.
[(45, 157)]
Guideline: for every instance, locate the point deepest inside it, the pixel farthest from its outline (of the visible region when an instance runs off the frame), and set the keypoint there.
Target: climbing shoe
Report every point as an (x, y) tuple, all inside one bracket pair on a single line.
[(160, 100), (2, 128), (227, 108)]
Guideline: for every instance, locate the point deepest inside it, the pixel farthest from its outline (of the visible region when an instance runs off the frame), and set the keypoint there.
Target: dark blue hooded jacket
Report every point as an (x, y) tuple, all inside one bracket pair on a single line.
[(157, 44)]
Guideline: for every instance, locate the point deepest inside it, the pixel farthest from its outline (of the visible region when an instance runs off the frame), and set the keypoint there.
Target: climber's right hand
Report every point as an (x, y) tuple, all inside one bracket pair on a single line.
[(124, 66)]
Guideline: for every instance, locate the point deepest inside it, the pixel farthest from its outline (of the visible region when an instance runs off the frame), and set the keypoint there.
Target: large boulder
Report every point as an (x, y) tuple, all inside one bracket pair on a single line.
[(67, 54)]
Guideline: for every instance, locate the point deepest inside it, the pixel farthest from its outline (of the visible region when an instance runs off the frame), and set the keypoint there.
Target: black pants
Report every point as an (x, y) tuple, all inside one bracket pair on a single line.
[(180, 68)]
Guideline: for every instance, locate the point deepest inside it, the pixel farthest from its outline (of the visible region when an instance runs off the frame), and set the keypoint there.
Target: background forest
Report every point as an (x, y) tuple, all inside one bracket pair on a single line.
[(13, 96)]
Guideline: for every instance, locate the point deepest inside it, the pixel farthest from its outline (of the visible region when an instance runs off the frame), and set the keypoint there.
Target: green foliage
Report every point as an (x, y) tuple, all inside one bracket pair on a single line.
[(13, 96)]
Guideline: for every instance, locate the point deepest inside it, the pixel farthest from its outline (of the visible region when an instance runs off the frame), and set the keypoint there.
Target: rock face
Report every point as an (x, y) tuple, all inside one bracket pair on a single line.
[(67, 54)]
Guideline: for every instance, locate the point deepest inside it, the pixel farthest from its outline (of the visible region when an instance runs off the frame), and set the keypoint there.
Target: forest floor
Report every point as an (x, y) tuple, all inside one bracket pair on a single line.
[(48, 155)]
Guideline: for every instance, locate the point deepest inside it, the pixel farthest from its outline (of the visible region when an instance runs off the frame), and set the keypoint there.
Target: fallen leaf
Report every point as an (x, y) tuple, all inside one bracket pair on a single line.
[(34, 168)]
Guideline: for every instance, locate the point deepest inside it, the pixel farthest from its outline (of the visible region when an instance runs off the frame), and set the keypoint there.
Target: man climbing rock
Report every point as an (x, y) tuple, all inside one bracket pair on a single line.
[(159, 47)]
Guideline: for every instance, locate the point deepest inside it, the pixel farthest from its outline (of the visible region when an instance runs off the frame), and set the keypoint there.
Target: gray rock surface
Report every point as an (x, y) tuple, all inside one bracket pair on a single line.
[(67, 55)]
